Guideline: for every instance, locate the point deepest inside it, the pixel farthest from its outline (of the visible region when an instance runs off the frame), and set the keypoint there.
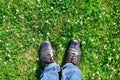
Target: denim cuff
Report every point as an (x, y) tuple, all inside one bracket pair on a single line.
[(52, 67)]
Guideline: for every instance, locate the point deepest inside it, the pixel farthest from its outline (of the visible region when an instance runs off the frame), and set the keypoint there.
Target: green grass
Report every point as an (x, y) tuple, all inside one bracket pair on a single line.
[(25, 24)]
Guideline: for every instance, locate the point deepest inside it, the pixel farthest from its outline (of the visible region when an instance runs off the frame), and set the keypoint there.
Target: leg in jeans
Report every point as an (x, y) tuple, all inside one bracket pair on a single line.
[(71, 72), (48, 60), (51, 72)]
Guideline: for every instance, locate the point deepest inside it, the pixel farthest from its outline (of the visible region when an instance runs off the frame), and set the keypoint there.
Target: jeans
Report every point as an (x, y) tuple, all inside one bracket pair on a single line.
[(69, 72)]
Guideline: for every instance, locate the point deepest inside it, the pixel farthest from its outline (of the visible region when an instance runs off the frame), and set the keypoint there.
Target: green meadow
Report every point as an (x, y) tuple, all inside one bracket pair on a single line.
[(25, 24)]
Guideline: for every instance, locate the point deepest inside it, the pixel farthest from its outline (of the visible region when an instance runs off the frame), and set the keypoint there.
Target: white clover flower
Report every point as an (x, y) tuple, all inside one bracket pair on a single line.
[(91, 63), (88, 17), (96, 57), (93, 66), (97, 72), (48, 33), (110, 76), (60, 45), (92, 40), (117, 10), (109, 58), (6, 30), (8, 55), (22, 16), (81, 22), (3, 16), (76, 11), (14, 26), (99, 78), (80, 17), (36, 26), (52, 7), (113, 49), (103, 8), (117, 57), (92, 77), (105, 47), (107, 65), (41, 10), (10, 59), (114, 23), (100, 64), (21, 45), (34, 69), (47, 21), (5, 63), (83, 42), (100, 16), (114, 70), (37, 59), (93, 74), (38, 1), (33, 39), (76, 22), (106, 38), (68, 20), (0, 40), (62, 49), (107, 41), (103, 13), (17, 10), (8, 49)]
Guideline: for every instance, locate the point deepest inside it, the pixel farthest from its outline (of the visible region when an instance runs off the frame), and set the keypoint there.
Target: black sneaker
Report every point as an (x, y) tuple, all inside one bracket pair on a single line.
[(46, 53), (74, 52)]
